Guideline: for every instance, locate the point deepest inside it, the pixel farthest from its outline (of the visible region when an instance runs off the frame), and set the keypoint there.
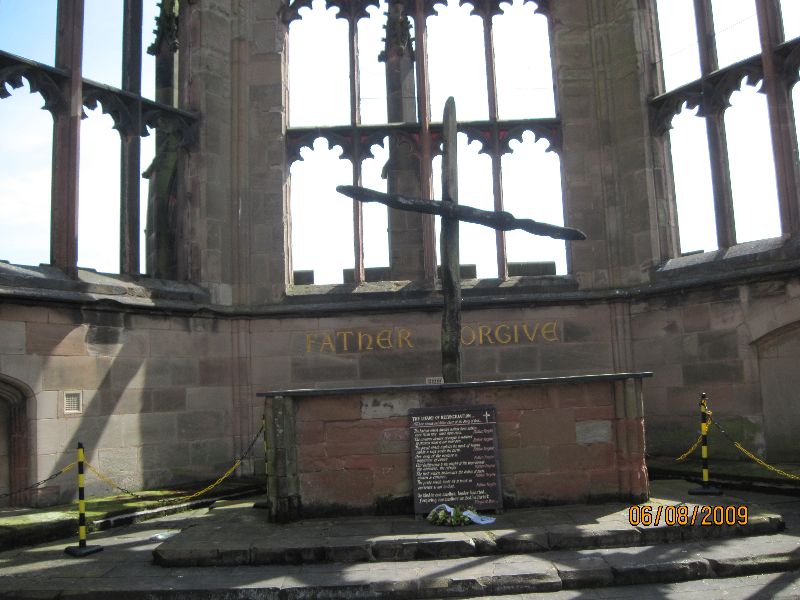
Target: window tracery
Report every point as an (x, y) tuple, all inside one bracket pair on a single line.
[(412, 131)]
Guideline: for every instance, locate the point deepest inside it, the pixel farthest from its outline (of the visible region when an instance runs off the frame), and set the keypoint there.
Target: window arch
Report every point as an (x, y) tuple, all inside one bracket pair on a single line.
[(704, 69), (418, 39), (69, 93)]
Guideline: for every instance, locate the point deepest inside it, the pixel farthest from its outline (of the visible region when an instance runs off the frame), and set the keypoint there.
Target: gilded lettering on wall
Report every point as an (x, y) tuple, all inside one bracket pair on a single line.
[(402, 338)]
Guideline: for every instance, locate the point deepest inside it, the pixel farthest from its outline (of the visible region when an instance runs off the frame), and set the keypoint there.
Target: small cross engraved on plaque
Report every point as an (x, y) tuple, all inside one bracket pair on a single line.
[(486, 415)]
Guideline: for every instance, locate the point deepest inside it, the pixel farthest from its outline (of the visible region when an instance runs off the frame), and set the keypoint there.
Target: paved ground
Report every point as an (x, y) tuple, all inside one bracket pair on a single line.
[(125, 567), (753, 587)]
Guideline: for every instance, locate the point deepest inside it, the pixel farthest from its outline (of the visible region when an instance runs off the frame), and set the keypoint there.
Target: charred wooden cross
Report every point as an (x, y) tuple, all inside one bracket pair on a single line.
[(451, 214)]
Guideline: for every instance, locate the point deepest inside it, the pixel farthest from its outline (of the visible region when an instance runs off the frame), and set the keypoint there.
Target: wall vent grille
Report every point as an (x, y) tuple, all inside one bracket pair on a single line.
[(73, 402)]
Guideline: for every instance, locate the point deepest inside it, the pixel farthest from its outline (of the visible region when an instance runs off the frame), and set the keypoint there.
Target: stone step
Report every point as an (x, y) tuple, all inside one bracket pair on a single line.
[(443, 578), (551, 572), (237, 535), (125, 568)]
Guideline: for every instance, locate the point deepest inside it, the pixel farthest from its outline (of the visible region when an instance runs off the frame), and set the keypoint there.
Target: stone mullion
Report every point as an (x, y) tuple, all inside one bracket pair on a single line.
[(355, 121), (66, 139), (781, 116), (131, 141), (721, 180), (497, 175), (715, 128), (424, 117)]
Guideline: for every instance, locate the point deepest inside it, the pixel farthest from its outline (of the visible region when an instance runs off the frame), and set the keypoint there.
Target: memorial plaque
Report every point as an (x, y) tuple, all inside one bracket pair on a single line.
[(455, 458)]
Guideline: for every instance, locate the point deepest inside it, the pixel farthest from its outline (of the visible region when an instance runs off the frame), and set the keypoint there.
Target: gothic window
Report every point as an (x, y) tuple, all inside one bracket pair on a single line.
[(88, 62), (381, 126), (735, 167)]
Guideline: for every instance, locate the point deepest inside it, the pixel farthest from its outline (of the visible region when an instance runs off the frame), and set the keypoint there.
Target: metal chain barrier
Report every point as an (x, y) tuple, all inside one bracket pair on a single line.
[(691, 449), (236, 463), (66, 469), (755, 458), (738, 446)]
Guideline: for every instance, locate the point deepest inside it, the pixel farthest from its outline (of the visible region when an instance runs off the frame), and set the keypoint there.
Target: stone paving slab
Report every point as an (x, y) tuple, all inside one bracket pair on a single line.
[(252, 540), (124, 567), (754, 587)]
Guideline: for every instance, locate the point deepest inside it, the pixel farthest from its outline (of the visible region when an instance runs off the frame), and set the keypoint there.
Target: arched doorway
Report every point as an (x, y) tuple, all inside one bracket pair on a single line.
[(13, 439)]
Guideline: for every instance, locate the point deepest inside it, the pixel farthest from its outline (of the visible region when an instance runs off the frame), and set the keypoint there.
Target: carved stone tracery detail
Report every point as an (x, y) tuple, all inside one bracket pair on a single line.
[(357, 9), (39, 81), (712, 93), (298, 138)]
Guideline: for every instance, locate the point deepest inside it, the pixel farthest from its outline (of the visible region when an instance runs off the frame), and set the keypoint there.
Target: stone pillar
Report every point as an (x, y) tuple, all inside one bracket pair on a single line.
[(282, 459), (629, 413), (164, 233), (238, 179), (66, 139), (264, 259), (406, 229), (614, 188), (205, 31)]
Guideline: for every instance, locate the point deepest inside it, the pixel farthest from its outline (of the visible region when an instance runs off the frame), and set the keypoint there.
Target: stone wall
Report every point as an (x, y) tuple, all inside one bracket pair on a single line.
[(157, 394), (170, 397), (734, 342), (403, 347), (169, 384), (562, 440)]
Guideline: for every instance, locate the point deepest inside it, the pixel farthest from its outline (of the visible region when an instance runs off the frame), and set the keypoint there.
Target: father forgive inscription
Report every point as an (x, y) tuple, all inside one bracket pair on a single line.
[(342, 341)]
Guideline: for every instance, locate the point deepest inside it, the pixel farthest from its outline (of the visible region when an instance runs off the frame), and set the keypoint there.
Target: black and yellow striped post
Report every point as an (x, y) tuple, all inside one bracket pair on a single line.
[(706, 489), (81, 549)]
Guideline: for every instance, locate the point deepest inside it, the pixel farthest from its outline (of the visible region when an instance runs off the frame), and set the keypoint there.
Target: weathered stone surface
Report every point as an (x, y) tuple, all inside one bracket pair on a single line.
[(352, 488), (382, 406), (593, 431), (12, 337), (578, 571), (75, 372), (53, 339), (199, 425), (552, 487), (547, 427), (628, 568), (328, 409), (530, 459), (25, 368), (571, 457)]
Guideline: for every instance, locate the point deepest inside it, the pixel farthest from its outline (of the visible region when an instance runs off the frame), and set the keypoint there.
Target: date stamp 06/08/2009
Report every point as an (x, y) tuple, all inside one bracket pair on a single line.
[(708, 515)]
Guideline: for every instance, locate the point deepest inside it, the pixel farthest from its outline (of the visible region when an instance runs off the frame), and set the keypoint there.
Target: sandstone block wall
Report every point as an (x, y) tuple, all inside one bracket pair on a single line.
[(404, 347), (157, 395), (738, 344), (559, 442), (170, 397)]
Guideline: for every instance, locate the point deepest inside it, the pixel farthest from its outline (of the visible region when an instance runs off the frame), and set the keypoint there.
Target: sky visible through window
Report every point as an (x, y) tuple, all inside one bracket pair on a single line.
[(319, 96), (531, 176), (27, 28), (747, 126)]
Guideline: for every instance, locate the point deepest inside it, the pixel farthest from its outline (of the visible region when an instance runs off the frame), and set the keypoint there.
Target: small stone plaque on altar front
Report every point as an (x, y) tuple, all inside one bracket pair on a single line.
[(454, 458)]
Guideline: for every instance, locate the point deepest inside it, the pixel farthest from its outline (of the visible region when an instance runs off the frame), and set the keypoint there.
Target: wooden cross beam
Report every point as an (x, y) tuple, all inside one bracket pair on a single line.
[(451, 213)]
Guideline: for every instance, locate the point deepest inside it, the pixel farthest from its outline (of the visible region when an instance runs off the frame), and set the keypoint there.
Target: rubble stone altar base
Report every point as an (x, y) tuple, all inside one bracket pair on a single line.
[(561, 440)]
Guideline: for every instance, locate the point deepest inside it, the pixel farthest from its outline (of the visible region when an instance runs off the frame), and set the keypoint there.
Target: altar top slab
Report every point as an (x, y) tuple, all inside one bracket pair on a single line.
[(449, 386)]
